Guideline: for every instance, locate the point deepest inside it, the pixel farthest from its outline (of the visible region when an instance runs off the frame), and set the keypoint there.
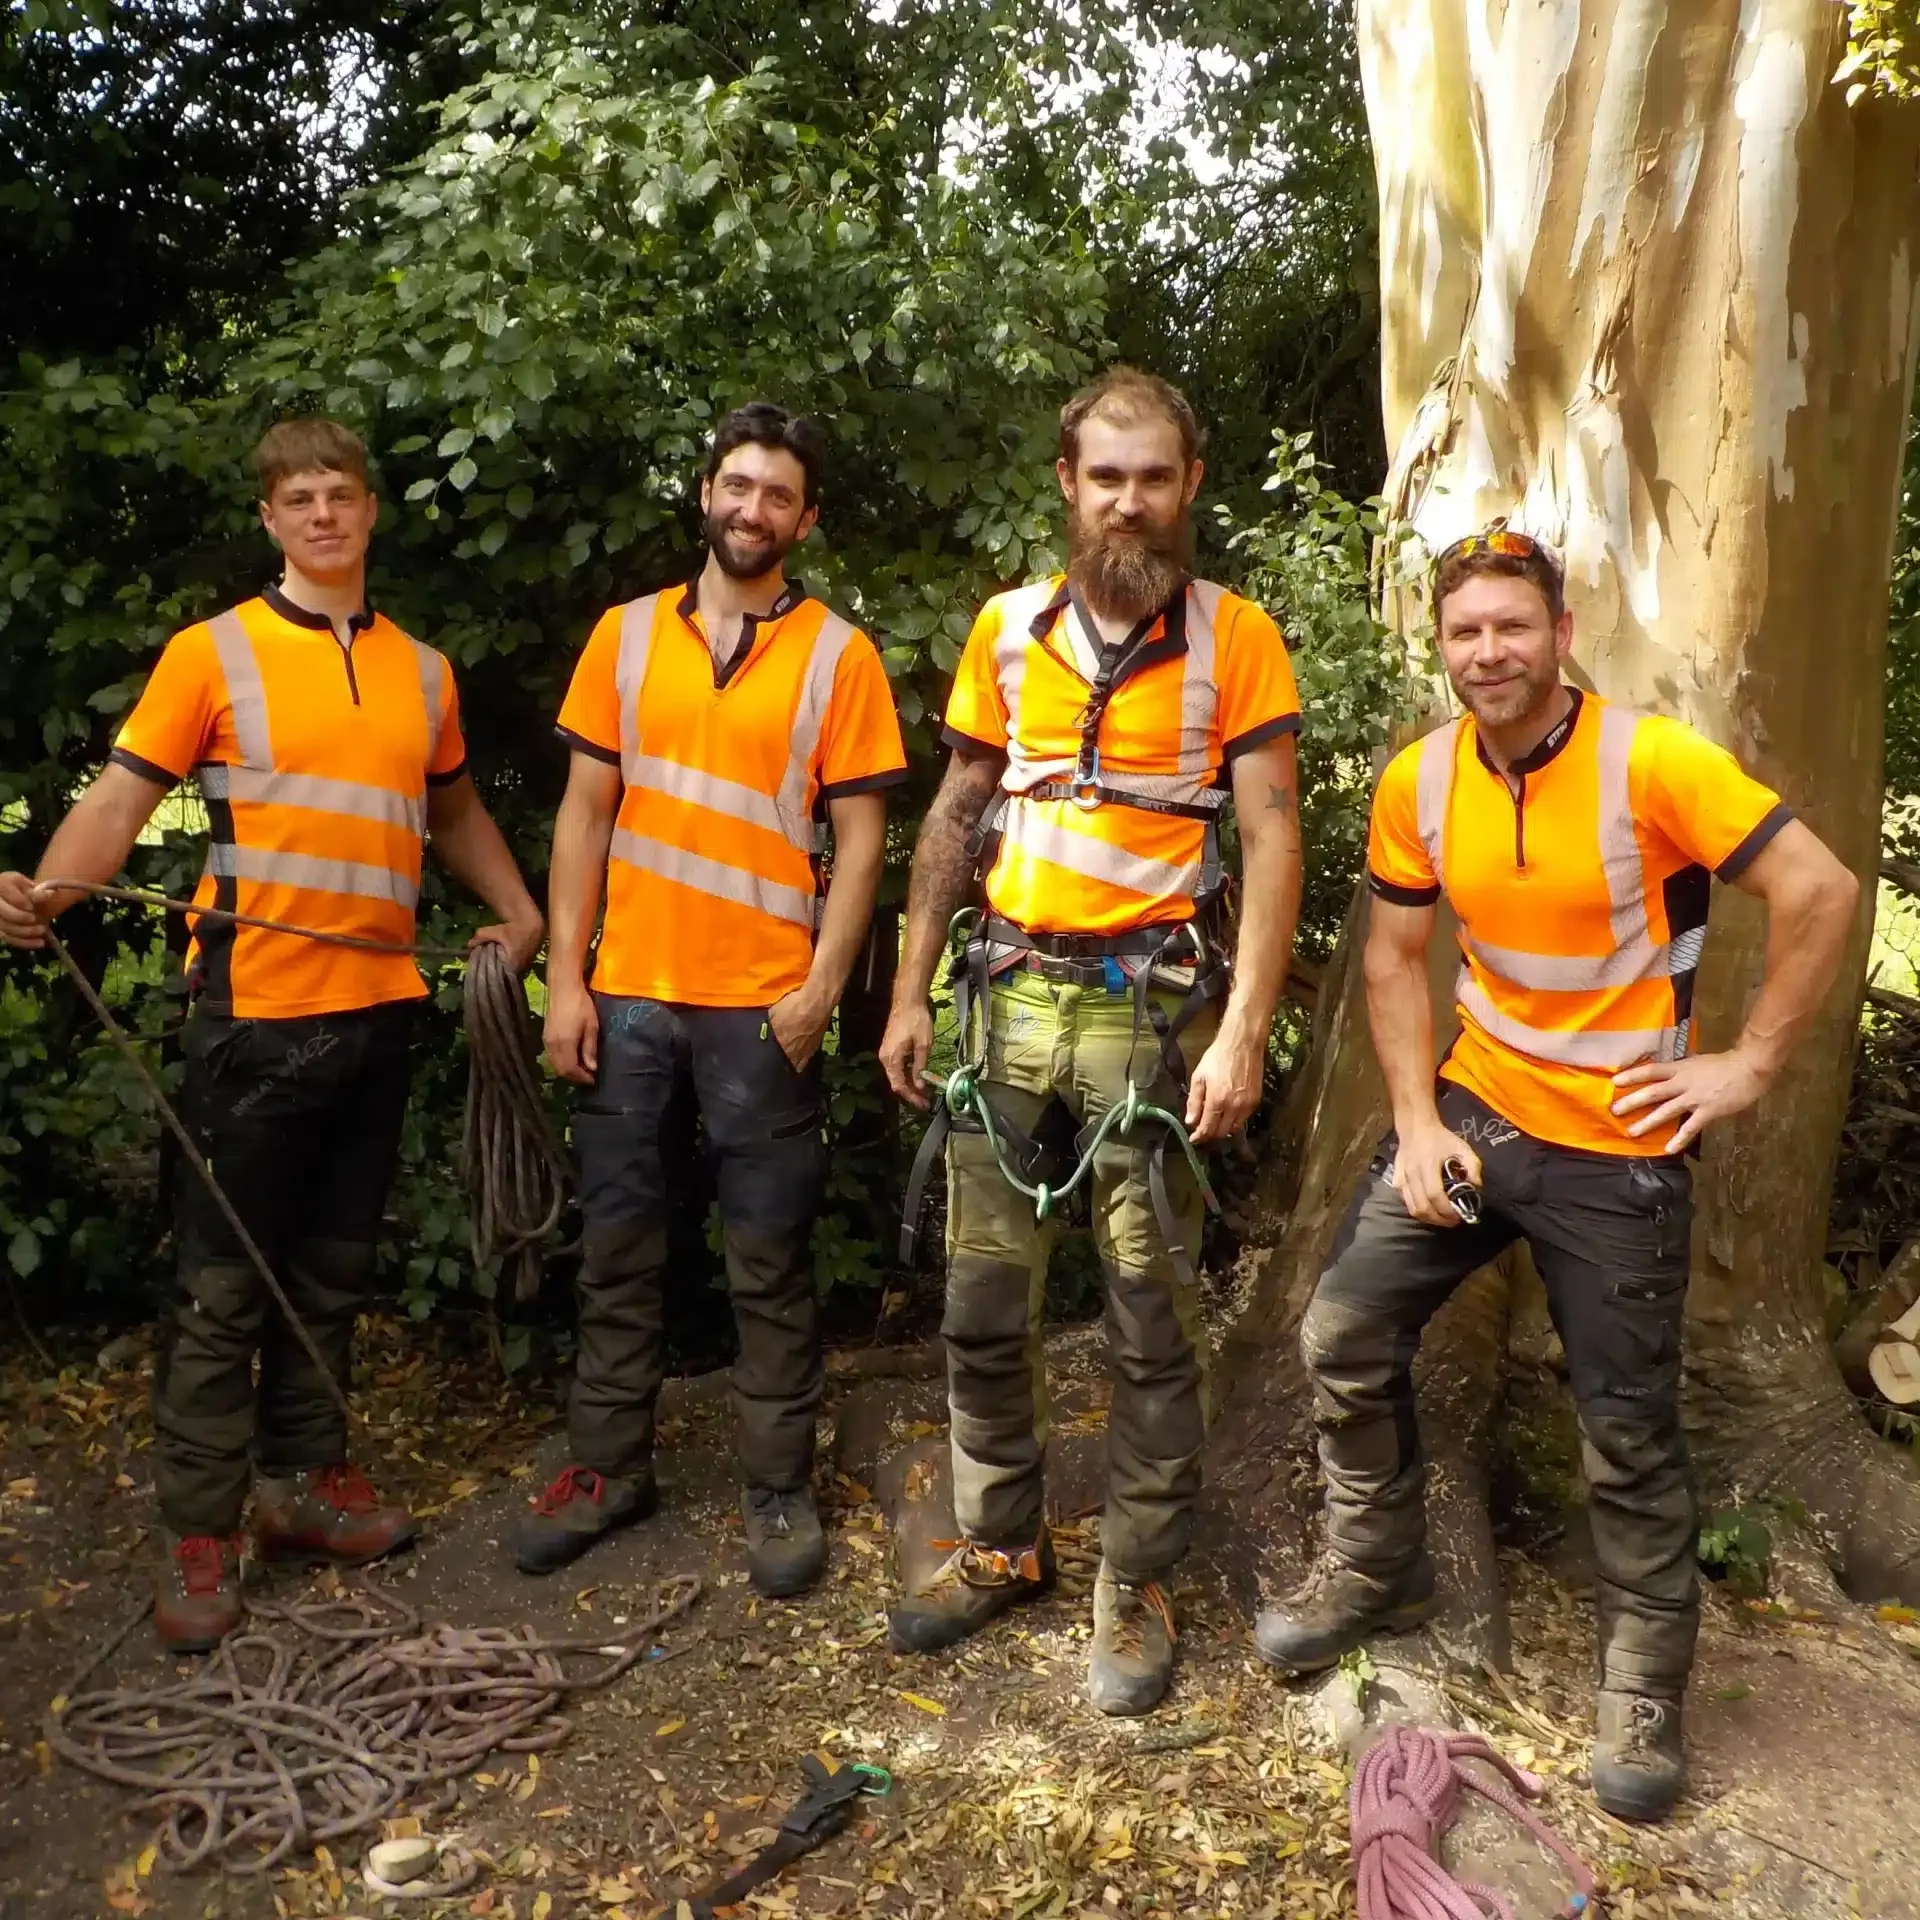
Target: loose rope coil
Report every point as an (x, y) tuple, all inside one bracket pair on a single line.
[(1406, 1792), (319, 1719)]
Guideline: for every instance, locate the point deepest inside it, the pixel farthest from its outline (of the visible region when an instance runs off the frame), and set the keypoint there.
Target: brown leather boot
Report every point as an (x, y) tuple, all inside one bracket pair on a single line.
[(329, 1515), (196, 1597), (971, 1586)]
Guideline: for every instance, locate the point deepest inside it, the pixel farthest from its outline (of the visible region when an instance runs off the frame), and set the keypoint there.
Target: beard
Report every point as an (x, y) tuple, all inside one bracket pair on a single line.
[(1510, 703), (1127, 573), (740, 560)]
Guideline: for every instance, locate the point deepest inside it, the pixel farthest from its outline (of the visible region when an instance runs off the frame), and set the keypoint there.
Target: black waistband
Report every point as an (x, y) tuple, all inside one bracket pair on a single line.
[(1083, 946)]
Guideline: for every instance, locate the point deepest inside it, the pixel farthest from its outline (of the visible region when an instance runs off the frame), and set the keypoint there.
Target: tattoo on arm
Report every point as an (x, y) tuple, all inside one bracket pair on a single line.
[(942, 866), (1280, 800)]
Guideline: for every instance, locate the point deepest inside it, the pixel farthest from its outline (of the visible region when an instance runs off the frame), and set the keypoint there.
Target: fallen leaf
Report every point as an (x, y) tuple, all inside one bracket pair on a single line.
[(668, 1728), (481, 1902), (553, 1813), (23, 1489), (524, 1787), (1895, 1616), (144, 1865), (542, 1905), (925, 1705), (533, 1764)]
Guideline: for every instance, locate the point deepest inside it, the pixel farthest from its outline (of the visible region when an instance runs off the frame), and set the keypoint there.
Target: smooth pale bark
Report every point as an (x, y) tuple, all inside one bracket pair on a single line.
[(1649, 287)]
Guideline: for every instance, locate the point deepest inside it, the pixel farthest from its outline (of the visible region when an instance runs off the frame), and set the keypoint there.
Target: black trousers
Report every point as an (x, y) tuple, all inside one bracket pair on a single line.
[(1609, 1234), (764, 1127), (300, 1120)]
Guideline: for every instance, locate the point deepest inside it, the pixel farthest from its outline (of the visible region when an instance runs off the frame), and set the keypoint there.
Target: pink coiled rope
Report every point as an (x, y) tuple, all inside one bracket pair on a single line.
[(1406, 1792)]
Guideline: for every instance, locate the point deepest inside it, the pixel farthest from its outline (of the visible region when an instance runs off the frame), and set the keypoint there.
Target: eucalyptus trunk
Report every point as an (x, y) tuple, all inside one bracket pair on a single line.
[(1649, 287)]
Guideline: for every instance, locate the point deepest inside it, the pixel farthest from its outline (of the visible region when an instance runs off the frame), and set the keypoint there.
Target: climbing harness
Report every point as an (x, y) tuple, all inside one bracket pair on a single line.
[(983, 946), (1406, 1792), (834, 1789)]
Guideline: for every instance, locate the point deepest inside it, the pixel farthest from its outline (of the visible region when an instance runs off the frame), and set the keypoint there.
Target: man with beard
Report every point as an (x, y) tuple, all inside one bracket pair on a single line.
[(1103, 718), (1576, 844), (714, 729)]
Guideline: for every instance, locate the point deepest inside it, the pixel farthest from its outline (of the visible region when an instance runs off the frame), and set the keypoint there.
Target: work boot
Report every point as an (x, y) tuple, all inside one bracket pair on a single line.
[(1637, 1763), (330, 1516), (786, 1550), (1336, 1608), (196, 1599), (1133, 1636), (580, 1506), (971, 1586)]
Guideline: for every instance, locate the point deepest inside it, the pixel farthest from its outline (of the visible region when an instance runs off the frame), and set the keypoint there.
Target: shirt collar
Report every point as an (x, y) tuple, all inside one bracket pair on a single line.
[(790, 597), (299, 616), (1548, 749), (1172, 641)]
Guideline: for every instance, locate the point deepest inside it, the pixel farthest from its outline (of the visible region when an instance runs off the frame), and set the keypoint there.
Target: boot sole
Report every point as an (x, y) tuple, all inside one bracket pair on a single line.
[(199, 1643), (1407, 1619), (787, 1588)]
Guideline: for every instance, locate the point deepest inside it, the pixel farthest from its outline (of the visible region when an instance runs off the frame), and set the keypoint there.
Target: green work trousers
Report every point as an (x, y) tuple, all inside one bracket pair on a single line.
[(1049, 1041)]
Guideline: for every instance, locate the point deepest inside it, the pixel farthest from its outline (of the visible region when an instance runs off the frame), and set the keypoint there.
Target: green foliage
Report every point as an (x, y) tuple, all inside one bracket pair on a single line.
[(1883, 50), (1736, 1547), (1309, 562), (1903, 667)]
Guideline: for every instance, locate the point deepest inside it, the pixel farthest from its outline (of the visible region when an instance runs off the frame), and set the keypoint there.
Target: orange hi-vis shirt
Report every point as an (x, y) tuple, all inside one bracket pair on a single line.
[(712, 875), (1199, 683), (314, 758), (1581, 901)]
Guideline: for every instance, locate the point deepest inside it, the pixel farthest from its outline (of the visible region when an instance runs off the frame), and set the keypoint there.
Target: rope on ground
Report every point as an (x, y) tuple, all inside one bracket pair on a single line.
[(1406, 1792), (318, 1719)]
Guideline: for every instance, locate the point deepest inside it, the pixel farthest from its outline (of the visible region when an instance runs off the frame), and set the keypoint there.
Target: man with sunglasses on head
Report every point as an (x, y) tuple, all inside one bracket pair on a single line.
[(1576, 844)]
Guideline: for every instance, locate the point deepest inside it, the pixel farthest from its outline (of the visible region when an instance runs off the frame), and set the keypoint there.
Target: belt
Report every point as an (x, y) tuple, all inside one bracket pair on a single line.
[(1136, 941)]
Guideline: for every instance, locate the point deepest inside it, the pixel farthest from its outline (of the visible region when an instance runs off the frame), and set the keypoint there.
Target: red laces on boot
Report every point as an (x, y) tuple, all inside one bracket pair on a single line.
[(575, 1483), (202, 1561), (344, 1488)]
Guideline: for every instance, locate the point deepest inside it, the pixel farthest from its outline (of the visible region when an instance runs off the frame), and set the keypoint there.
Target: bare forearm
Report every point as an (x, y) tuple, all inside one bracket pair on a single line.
[(92, 843), (1269, 911), (474, 850), (942, 874), (859, 852), (1401, 1014), (1805, 942), (581, 836)]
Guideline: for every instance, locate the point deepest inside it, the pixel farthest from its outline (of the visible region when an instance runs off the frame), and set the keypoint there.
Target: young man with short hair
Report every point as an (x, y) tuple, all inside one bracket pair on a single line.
[(327, 746), (1576, 843), (715, 728), (1099, 721)]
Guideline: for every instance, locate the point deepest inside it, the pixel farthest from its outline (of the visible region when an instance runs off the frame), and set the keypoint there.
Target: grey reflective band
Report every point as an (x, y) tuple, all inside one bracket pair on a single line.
[(1046, 838), (706, 875), (709, 790), (434, 675), (313, 792), (1606, 1048), (1011, 648), (1575, 973), (793, 802), (265, 867), (1199, 685), (1433, 789), (630, 672), (1619, 846), (246, 691)]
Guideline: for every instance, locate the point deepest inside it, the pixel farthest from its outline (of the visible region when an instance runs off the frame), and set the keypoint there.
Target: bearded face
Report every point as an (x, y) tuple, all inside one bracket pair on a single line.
[(756, 511), (1129, 526), (1502, 649)]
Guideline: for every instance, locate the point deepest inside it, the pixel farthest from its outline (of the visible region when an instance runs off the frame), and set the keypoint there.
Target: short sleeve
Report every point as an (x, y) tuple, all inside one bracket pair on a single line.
[(590, 714), (860, 746), (1398, 869), (976, 714), (172, 724), (1258, 699), (1697, 795), (449, 760)]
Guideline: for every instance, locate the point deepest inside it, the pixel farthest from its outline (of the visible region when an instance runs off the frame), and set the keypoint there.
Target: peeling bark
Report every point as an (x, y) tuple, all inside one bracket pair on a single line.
[(1649, 287)]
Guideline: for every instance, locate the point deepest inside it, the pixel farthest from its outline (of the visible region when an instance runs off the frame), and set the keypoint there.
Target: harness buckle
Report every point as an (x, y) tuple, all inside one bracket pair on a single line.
[(1086, 781)]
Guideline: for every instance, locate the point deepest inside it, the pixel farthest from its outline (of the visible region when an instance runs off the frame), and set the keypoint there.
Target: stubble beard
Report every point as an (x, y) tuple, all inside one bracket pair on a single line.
[(1131, 573), (1513, 703)]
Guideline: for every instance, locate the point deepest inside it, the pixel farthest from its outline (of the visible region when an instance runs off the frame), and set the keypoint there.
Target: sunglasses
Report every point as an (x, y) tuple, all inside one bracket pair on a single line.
[(1516, 546)]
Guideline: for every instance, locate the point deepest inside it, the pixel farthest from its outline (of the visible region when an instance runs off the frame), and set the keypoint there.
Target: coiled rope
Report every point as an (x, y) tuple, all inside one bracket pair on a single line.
[(319, 1719), (1406, 1792), (323, 1717)]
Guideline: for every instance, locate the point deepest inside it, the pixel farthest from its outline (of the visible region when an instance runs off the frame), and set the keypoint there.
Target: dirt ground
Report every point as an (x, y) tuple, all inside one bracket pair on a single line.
[(1012, 1797)]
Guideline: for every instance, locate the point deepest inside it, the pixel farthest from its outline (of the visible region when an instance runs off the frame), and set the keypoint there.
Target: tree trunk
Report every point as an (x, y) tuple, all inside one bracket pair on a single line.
[(1649, 286)]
